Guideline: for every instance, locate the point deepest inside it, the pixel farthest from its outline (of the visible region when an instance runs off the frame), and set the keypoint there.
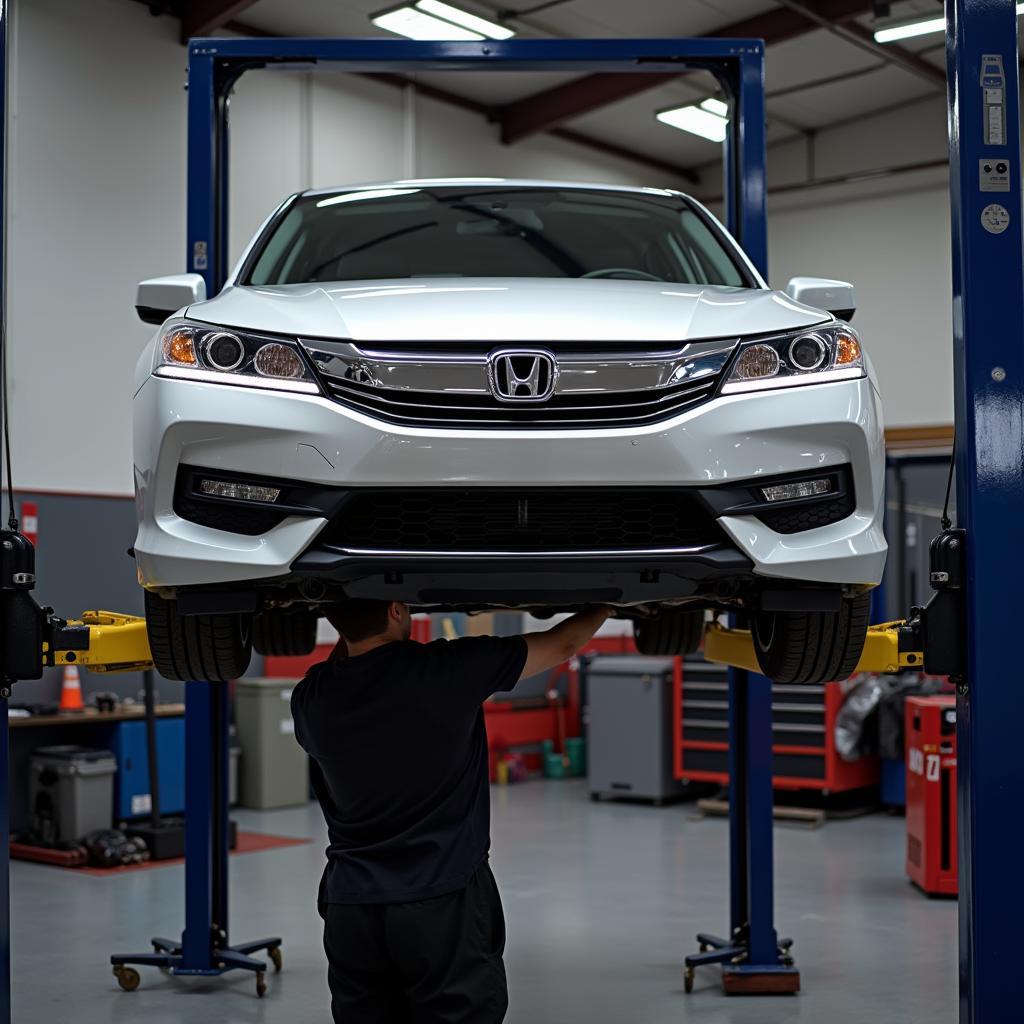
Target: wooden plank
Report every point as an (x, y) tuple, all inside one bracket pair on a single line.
[(90, 716)]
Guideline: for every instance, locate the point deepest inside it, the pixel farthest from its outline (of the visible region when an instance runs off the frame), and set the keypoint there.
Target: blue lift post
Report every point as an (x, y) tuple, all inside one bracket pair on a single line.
[(214, 66), (988, 347)]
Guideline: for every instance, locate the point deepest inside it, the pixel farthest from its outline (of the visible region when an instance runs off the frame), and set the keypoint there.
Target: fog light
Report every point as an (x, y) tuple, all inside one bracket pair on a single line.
[(756, 362), (803, 489), (239, 491)]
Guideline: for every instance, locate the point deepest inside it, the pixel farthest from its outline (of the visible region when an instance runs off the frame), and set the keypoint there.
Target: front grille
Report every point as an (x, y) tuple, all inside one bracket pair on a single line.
[(576, 410), (807, 517), (493, 520)]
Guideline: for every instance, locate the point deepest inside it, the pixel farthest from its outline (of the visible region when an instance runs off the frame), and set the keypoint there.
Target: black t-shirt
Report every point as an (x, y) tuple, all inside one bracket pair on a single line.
[(399, 763)]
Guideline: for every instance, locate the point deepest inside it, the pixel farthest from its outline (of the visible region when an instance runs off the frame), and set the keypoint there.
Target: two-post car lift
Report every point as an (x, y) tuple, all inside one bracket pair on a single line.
[(988, 273)]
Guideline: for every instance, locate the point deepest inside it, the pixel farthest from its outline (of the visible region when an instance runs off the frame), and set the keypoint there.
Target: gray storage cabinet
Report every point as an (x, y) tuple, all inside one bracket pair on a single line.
[(71, 792), (274, 768), (629, 743)]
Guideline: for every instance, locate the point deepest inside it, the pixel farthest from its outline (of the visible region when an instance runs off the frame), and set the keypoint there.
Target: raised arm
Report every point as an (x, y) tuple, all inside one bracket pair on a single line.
[(552, 647)]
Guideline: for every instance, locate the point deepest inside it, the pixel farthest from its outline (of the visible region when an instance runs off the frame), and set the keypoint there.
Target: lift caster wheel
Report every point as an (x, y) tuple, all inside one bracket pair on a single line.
[(127, 977), (276, 958), (704, 947), (688, 980), (261, 985)]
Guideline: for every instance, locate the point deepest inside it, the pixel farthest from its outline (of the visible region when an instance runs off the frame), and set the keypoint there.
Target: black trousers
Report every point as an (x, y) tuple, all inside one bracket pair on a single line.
[(437, 961)]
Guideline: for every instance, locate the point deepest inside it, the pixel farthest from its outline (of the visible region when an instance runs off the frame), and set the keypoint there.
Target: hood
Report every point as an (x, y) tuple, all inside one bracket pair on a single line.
[(506, 309)]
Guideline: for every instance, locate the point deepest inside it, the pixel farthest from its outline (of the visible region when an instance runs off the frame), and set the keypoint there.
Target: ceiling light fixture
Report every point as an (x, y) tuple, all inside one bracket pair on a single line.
[(714, 106), (910, 29), (708, 120), (437, 21)]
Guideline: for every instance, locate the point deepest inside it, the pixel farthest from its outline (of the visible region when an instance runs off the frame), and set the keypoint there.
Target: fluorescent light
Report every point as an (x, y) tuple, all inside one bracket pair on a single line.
[(490, 29), (911, 29), (413, 24), (366, 193), (435, 20), (914, 28), (696, 121), (713, 106)]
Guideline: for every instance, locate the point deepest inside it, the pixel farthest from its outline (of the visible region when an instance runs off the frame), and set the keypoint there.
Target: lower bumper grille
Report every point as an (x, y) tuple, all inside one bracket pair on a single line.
[(807, 517), (501, 520)]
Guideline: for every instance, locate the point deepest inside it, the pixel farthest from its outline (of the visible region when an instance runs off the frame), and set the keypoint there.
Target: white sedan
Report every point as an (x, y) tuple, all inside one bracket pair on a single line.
[(485, 394)]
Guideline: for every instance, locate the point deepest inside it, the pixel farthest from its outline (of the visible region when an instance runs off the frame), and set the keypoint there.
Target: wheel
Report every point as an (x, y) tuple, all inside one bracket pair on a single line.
[(669, 633), (811, 647), (688, 980), (276, 958), (284, 633), (197, 647), (261, 985), (127, 977), (703, 947)]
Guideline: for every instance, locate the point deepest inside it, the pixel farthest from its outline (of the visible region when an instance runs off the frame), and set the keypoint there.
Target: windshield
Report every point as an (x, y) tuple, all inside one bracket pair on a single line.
[(492, 231)]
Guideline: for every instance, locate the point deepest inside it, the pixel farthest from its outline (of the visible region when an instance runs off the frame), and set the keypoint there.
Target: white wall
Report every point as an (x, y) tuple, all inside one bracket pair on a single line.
[(97, 201), (890, 236)]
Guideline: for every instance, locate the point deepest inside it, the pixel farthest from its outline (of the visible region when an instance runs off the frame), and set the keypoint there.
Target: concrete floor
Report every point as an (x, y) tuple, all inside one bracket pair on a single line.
[(602, 902)]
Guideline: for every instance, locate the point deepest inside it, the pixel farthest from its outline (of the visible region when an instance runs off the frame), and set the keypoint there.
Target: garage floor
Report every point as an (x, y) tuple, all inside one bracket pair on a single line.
[(602, 902)]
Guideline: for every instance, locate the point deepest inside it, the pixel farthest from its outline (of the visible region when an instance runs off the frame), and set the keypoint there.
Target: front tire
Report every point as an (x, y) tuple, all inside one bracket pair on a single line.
[(210, 648), (811, 647), (284, 633), (670, 633)]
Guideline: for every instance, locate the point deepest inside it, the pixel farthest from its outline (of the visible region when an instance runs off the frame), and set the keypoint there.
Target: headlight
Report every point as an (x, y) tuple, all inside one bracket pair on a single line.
[(814, 356), (193, 351)]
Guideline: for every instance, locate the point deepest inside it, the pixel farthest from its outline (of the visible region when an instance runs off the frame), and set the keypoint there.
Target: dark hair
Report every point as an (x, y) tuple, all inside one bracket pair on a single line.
[(359, 619)]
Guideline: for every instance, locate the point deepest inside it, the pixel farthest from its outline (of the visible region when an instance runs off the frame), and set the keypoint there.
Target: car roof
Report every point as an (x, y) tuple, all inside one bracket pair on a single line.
[(511, 182)]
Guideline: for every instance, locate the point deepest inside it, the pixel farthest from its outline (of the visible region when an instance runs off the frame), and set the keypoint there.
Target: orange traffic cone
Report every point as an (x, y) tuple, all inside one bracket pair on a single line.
[(71, 691)]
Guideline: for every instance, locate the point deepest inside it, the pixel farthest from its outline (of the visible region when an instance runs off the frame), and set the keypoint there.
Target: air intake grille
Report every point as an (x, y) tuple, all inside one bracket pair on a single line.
[(807, 517), (486, 519), (229, 516)]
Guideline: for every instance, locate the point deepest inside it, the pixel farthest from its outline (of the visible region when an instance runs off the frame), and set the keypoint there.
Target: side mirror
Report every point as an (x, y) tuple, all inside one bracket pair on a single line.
[(835, 297), (159, 297)]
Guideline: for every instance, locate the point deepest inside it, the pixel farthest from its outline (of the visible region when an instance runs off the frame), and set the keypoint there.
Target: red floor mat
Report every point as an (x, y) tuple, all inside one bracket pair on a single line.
[(248, 842)]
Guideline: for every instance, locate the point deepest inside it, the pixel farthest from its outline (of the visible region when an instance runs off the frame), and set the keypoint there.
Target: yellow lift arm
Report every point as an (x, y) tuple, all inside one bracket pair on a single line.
[(101, 642), (105, 641), (890, 646)]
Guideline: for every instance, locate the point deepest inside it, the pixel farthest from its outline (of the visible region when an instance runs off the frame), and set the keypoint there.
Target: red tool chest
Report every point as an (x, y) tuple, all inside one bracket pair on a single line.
[(803, 732), (931, 794)]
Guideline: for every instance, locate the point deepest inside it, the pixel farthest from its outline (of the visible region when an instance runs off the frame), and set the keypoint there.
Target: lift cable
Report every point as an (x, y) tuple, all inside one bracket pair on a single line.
[(5, 417), (946, 522)]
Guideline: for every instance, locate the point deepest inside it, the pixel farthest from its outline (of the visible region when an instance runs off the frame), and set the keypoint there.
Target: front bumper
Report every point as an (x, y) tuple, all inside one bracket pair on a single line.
[(319, 442)]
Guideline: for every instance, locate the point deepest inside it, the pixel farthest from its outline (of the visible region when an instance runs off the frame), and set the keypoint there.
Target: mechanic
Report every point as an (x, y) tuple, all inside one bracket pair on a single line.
[(414, 929)]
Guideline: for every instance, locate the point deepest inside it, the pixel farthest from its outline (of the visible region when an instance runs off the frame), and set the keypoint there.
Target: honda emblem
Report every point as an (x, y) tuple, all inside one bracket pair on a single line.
[(522, 375)]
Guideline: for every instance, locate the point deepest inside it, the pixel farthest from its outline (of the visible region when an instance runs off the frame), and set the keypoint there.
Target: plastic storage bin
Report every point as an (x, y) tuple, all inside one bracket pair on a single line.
[(71, 792), (274, 769)]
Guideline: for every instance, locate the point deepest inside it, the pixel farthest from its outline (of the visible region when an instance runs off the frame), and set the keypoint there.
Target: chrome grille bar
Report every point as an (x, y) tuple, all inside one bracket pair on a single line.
[(447, 389)]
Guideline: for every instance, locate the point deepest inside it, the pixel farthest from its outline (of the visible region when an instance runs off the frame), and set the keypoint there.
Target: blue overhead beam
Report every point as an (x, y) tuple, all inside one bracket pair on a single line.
[(216, 64)]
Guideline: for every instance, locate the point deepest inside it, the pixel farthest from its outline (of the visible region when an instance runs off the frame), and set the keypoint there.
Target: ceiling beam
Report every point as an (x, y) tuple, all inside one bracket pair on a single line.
[(201, 17), (859, 36), (553, 107)]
